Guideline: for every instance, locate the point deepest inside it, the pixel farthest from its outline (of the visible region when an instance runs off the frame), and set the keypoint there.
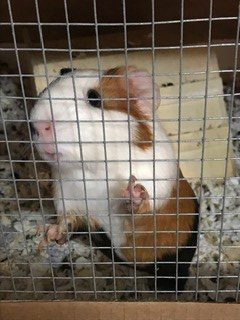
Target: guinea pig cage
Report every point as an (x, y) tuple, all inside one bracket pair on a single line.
[(93, 96)]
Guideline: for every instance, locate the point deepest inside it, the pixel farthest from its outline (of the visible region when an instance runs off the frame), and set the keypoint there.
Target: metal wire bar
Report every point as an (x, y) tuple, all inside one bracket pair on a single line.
[(124, 99), (238, 286), (203, 141), (119, 291), (118, 277), (3, 233), (104, 140), (178, 146), (92, 198), (157, 74), (129, 49), (154, 149), (125, 215), (195, 97), (77, 180), (146, 263), (129, 144), (146, 232), (119, 121), (121, 141), (101, 24)]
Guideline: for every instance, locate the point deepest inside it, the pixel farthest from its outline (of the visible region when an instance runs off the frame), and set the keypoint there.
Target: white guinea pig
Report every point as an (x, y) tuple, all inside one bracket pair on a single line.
[(89, 128)]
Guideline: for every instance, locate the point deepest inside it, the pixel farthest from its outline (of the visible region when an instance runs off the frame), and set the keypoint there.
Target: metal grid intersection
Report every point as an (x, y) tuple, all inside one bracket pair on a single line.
[(71, 264)]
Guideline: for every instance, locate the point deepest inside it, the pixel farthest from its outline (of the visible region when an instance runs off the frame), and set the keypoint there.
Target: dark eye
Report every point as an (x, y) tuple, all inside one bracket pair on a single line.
[(94, 98), (65, 70)]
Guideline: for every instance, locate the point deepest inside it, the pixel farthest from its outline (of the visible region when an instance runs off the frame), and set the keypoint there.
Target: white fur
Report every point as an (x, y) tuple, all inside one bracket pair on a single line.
[(117, 152)]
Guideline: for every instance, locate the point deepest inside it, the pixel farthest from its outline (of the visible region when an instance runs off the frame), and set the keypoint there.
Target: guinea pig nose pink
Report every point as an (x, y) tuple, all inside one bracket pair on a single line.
[(45, 135)]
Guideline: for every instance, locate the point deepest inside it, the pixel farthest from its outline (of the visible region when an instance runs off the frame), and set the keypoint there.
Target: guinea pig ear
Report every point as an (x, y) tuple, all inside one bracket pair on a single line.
[(142, 87)]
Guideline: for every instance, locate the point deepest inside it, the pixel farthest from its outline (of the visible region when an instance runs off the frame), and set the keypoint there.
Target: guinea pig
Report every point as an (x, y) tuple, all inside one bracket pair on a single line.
[(96, 131)]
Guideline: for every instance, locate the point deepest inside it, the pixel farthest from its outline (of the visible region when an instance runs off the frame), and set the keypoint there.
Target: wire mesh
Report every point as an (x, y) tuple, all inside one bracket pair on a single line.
[(85, 267)]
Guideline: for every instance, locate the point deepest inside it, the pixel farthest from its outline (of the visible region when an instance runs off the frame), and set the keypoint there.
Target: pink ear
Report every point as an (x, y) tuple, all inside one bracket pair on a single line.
[(141, 86)]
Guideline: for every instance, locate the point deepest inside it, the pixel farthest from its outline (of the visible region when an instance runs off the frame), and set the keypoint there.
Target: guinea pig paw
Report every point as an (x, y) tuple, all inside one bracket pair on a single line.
[(57, 232), (135, 194), (54, 232)]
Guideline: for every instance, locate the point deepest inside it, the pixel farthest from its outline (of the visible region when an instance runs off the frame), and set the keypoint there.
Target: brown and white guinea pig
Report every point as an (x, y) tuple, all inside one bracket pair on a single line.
[(92, 176)]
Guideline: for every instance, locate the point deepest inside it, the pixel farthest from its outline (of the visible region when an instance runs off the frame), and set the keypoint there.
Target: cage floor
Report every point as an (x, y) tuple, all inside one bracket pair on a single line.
[(52, 272)]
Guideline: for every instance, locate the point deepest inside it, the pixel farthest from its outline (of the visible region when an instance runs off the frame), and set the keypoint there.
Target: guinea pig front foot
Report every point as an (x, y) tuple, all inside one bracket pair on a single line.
[(53, 232), (135, 195)]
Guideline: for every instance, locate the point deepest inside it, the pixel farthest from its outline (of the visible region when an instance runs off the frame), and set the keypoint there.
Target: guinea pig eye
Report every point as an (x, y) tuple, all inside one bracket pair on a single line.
[(94, 98)]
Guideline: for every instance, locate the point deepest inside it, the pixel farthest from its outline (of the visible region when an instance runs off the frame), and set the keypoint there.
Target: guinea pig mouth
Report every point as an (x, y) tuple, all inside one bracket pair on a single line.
[(50, 156), (53, 156), (48, 152)]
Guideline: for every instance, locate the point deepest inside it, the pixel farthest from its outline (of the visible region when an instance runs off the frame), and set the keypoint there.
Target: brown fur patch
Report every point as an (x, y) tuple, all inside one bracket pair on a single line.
[(116, 87), (143, 136), (166, 220)]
